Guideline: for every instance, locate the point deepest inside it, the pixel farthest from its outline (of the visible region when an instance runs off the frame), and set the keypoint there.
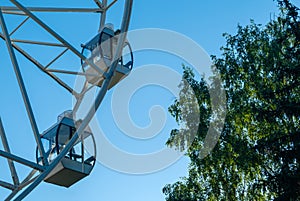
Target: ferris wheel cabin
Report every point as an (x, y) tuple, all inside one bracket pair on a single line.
[(100, 51), (79, 162)]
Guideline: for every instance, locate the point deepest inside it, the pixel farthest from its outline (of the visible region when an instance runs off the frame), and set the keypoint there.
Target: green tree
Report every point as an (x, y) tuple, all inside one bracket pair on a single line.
[(257, 155)]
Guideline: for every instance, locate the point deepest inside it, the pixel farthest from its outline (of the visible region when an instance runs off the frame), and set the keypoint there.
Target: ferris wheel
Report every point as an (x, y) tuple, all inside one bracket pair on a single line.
[(61, 158)]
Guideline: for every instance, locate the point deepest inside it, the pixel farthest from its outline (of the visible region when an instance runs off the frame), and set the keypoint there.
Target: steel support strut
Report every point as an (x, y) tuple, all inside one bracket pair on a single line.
[(11, 165), (23, 89), (22, 160), (8, 9), (103, 16), (7, 185)]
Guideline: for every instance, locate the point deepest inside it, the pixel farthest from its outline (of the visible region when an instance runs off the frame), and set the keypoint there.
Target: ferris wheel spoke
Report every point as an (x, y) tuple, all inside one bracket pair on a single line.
[(7, 185), (11, 165), (14, 10), (23, 89), (103, 16), (37, 43)]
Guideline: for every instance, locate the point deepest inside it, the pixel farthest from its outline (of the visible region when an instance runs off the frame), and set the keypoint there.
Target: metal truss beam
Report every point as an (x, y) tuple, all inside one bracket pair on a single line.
[(21, 160), (37, 43), (23, 89), (7, 185), (9, 9), (11, 165)]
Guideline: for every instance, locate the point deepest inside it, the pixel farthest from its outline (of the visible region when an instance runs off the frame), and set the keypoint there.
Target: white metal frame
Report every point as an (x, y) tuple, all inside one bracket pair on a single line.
[(33, 179)]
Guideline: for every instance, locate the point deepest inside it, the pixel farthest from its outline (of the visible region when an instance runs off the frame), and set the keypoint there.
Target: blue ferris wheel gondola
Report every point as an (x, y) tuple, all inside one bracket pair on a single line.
[(79, 162), (100, 50)]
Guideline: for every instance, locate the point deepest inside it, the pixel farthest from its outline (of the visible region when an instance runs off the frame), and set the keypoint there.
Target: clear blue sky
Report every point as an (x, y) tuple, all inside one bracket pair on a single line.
[(202, 21)]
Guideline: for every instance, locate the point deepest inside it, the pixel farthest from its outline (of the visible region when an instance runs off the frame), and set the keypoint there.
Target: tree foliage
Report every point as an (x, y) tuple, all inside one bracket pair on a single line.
[(257, 155)]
